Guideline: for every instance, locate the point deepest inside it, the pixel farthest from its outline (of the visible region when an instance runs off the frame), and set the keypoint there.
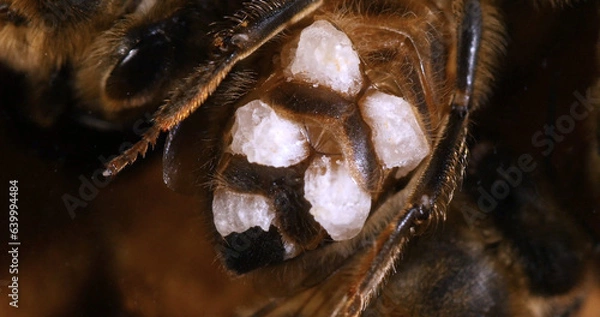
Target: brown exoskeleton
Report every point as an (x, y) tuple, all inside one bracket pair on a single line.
[(409, 247)]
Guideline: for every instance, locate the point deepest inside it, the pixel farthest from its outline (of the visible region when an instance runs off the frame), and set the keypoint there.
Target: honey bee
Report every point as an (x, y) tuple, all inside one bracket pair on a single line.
[(353, 158)]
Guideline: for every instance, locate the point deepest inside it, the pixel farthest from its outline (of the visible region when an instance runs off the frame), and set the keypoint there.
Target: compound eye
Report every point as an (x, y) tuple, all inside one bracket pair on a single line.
[(142, 68), (142, 61)]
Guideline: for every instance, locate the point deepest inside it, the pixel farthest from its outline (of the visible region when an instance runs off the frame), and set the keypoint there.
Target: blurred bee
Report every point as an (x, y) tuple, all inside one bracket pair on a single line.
[(108, 61), (517, 239)]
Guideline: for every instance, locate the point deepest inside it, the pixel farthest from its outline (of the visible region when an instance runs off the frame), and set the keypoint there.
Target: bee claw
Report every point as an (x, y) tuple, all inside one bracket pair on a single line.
[(114, 166)]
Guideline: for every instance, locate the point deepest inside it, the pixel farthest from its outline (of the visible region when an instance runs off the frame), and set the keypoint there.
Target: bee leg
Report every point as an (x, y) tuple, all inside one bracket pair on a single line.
[(248, 29), (443, 171)]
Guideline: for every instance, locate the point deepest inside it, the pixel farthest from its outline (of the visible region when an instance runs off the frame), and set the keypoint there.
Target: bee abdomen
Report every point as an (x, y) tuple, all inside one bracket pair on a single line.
[(339, 132)]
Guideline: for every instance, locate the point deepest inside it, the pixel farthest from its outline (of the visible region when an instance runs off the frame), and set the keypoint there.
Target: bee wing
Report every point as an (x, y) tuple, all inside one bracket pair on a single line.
[(319, 301)]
